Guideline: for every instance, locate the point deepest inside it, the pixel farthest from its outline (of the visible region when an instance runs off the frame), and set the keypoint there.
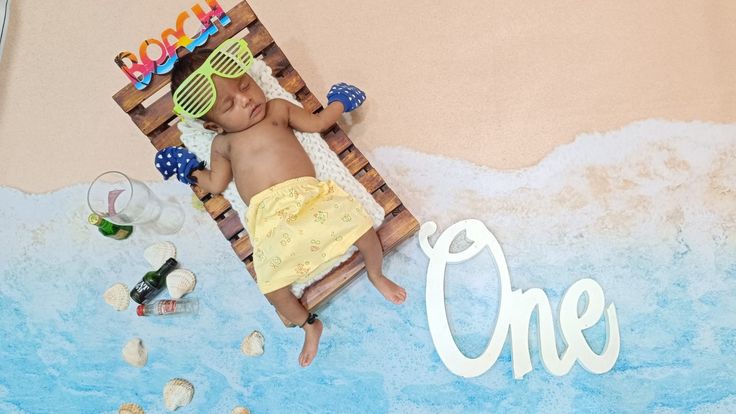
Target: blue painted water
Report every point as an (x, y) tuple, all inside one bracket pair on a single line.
[(647, 211)]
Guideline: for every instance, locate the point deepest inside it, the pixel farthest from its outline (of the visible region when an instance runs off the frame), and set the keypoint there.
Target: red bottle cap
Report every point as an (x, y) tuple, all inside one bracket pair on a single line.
[(139, 310)]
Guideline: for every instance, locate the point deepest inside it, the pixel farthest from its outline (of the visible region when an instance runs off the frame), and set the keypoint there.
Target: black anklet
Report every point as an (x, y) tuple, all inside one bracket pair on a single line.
[(310, 319)]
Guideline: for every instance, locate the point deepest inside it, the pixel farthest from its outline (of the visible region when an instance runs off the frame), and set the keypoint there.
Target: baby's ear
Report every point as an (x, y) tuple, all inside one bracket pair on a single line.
[(213, 126)]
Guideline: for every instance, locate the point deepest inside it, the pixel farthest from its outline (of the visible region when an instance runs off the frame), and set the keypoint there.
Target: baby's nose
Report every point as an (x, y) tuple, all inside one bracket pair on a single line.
[(243, 100)]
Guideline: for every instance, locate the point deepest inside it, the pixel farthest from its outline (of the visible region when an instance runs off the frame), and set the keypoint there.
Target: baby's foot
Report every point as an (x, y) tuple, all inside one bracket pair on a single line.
[(390, 290), (311, 342)]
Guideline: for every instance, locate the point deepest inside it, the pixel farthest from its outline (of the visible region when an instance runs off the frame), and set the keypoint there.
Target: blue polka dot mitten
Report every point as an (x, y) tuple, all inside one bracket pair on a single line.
[(350, 96), (179, 161)]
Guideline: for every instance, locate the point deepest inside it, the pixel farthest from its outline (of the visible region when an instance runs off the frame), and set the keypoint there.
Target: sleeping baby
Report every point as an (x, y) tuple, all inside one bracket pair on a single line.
[(298, 225)]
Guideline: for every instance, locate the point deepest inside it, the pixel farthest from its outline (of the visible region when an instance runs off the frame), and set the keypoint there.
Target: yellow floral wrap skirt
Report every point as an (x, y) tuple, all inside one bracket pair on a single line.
[(301, 227)]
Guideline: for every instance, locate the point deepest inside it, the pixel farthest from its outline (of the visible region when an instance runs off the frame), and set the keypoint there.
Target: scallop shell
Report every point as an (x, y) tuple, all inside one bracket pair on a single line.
[(180, 282), (177, 393), (253, 344), (130, 408), (240, 410), (117, 296), (157, 254), (135, 353)]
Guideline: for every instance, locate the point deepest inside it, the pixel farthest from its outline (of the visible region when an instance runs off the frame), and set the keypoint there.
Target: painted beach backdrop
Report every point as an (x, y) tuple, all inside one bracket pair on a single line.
[(502, 130), (647, 211)]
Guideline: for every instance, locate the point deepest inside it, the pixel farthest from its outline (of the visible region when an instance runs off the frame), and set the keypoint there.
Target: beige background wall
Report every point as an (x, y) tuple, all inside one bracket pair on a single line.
[(498, 83)]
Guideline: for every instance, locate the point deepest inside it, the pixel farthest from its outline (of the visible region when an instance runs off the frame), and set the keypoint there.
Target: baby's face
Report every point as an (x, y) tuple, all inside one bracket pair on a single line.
[(240, 103)]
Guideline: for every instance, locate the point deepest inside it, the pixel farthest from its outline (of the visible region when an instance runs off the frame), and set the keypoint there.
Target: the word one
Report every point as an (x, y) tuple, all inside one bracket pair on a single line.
[(514, 313)]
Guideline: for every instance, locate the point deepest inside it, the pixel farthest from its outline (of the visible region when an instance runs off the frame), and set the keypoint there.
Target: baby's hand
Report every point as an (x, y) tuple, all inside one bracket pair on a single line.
[(179, 161), (350, 96)]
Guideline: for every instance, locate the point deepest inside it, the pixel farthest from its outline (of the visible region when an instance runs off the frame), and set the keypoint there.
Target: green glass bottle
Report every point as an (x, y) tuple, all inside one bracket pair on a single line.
[(152, 282), (112, 230)]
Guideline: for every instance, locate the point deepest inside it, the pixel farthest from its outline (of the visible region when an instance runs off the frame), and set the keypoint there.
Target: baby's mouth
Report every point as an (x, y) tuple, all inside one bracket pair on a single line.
[(256, 110)]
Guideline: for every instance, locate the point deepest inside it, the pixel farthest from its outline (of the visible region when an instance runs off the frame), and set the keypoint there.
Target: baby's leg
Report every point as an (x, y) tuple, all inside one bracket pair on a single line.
[(370, 247), (289, 306)]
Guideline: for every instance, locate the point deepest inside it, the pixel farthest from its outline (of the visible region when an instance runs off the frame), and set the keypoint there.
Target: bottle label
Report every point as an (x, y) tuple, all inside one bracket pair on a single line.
[(142, 292), (142, 287), (121, 234), (166, 306)]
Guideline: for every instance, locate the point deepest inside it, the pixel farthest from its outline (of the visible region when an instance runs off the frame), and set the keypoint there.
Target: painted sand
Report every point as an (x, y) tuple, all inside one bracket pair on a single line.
[(647, 211)]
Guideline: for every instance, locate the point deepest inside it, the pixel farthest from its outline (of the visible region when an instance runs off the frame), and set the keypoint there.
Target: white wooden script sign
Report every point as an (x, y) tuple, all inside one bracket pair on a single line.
[(514, 313)]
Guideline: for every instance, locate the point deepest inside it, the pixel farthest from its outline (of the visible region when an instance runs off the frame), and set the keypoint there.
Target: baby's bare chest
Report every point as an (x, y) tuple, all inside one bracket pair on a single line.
[(272, 156), (264, 143)]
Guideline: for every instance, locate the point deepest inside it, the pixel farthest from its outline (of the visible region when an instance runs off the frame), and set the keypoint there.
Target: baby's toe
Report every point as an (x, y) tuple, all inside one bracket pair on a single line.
[(306, 360)]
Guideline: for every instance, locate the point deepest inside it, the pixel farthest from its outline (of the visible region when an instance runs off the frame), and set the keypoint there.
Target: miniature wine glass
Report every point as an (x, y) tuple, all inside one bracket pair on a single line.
[(123, 200)]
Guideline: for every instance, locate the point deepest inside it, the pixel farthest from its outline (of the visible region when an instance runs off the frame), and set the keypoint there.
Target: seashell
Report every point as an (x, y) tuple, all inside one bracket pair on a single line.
[(130, 408), (240, 410), (135, 353), (117, 296), (177, 393), (158, 253), (253, 344), (180, 282)]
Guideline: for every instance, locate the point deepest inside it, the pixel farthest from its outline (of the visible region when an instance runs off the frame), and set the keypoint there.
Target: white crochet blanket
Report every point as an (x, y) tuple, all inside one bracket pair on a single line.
[(326, 163)]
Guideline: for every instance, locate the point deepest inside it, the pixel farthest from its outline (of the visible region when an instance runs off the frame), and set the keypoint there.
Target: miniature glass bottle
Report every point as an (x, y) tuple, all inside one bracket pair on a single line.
[(111, 230), (152, 282)]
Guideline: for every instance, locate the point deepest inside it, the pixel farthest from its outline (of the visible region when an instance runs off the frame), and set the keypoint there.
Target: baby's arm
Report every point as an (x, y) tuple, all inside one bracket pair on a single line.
[(341, 97), (301, 120), (215, 179)]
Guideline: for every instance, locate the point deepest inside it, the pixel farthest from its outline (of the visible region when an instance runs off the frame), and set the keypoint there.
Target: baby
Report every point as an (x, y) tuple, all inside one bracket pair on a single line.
[(298, 225)]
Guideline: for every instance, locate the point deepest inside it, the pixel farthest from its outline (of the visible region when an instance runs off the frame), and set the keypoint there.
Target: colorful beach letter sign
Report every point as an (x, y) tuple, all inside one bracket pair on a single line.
[(515, 312), (141, 68)]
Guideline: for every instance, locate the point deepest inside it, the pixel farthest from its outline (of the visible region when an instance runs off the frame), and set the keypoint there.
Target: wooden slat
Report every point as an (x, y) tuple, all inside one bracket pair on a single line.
[(230, 225), (199, 192), (217, 206), (337, 140), (371, 180), (258, 38), (291, 81), (148, 119), (308, 100), (243, 247), (274, 57), (316, 294), (170, 137), (251, 270), (387, 199), (354, 160), (129, 97)]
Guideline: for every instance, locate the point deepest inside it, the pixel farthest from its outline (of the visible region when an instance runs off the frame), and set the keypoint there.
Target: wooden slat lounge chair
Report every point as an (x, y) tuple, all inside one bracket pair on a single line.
[(158, 123)]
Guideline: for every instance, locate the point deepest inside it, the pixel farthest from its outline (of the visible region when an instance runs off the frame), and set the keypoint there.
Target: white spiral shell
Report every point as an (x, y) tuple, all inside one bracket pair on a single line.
[(178, 392), (135, 353), (158, 253), (180, 282), (117, 296), (130, 408), (253, 344), (240, 410)]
